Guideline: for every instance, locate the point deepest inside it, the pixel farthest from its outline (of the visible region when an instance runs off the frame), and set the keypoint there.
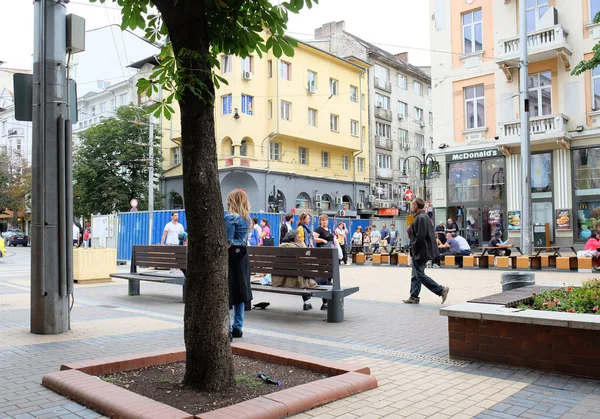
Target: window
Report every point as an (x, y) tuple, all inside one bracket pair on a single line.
[(383, 130), (275, 151), (334, 122), (402, 109), (102, 107), (384, 161), (596, 89), (382, 75), (244, 148), (311, 78), (360, 164), (540, 94), (226, 102), (353, 128), (324, 159), (418, 114), (474, 107), (303, 155), (429, 93), (325, 202), (122, 100), (430, 118), (401, 81), (354, 93), (303, 201), (226, 64), (19, 146), (286, 111), (403, 138), (419, 141), (247, 102), (270, 109), (247, 64), (535, 10), (382, 101), (594, 9), (333, 87), (541, 175), (175, 156), (345, 163), (312, 117), (472, 32), (286, 71), (270, 69), (417, 88)]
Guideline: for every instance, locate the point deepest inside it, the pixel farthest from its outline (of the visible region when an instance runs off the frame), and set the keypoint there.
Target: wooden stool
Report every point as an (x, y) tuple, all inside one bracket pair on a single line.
[(483, 261), (376, 259), (522, 262), (491, 260), (449, 261), (470, 262), (513, 261), (536, 263), (552, 261), (545, 261), (385, 259), (584, 264), (358, 258), (567, 263), (394, 259), (402, 260), (503, 262)]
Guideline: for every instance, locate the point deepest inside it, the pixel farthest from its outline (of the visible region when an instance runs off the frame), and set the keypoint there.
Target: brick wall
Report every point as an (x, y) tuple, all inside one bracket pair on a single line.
[(558, 349)]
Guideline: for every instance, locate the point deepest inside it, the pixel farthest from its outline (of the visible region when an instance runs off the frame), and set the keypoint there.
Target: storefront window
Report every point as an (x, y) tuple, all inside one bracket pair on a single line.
[(541, 175), (492, 180), (588, 217), (463, 182), (586, 171)]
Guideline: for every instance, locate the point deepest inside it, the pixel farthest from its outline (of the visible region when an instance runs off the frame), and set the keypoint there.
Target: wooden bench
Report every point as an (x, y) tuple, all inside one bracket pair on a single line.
[(307, 263), (159, 257)]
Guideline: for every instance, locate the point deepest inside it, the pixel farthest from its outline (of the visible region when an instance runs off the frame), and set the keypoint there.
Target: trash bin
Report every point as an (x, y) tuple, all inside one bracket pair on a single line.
[(513, 280)]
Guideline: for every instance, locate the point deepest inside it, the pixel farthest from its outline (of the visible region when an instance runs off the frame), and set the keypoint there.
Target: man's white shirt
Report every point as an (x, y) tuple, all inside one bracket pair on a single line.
[(173, 231)]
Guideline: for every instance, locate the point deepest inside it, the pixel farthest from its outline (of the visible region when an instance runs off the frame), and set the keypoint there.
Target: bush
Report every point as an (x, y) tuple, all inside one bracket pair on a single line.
[(584, 299)]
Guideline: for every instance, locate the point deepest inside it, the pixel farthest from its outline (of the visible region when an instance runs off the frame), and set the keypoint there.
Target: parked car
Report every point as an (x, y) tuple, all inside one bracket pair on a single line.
[(2, 249), (15, 239), (10, 232)]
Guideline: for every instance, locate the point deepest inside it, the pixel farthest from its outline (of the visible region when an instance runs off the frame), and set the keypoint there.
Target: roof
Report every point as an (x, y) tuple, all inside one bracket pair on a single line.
[(362, 65), (391, 58), (148, 60)]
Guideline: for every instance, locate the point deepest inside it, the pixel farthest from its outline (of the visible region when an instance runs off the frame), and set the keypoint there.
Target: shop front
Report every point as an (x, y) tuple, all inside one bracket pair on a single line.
[(476, 194), (586, 191)]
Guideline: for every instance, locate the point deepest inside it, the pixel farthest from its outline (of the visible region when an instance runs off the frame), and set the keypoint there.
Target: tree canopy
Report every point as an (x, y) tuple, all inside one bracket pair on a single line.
[(15, 183), (110, 165)]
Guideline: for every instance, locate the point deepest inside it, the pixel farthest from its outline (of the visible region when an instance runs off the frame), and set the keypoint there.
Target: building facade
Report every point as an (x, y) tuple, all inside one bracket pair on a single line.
[(290, 131), (15, 136), (476, 111), (400, 118)]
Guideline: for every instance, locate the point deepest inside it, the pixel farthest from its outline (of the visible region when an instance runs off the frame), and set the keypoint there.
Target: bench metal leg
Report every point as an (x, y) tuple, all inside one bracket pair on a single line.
[(335, 307), (134, 287)]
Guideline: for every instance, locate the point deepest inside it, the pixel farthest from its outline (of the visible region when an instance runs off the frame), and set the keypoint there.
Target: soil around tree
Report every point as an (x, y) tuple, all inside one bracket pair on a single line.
[(163, 383)]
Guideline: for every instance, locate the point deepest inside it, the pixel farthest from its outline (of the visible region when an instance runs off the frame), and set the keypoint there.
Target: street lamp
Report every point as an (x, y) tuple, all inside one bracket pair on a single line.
[(435, 169)]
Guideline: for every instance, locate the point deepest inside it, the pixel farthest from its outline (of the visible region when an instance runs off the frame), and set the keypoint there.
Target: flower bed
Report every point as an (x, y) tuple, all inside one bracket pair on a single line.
[(583, 300)]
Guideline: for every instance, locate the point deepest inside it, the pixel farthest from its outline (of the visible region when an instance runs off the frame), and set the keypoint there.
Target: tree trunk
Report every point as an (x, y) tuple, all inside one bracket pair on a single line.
[(209, 362)]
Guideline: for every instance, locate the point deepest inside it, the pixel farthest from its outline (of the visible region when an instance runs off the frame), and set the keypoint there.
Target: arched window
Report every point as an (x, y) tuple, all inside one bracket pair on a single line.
[(176, 201), (325, 202), (244, 148), (347, 202), (226, 147), (303, 201)]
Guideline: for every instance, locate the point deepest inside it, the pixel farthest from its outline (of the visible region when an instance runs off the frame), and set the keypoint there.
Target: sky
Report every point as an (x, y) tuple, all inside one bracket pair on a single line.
[(394, 25)]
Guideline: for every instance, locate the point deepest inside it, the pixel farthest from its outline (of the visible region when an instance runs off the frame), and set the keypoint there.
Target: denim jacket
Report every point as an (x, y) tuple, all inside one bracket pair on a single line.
[(236, 228)]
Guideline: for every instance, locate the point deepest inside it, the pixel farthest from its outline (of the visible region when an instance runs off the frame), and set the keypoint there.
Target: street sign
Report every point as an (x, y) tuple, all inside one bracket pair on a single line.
[(408, 195), (133, 203), (23, 86)]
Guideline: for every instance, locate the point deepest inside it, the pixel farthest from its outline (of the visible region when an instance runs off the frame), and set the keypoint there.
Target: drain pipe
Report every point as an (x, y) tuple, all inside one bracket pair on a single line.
[(271, 137), (360, 135)]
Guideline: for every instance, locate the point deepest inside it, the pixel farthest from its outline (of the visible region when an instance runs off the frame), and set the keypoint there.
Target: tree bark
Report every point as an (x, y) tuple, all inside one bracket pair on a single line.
[(209, 362)]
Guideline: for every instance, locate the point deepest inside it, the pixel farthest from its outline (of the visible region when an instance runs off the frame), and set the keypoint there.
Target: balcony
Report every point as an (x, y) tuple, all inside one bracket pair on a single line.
[(541, 128), (384, 143), (383, 113), (385, 173), (86, 123), (384, 85), (542, 44)]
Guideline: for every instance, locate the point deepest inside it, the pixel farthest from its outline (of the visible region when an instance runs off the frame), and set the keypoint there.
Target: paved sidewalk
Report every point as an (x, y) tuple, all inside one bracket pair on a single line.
[(406, 346)]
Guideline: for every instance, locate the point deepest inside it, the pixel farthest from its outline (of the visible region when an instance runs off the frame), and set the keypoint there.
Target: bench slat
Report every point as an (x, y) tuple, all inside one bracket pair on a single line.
[(289, 260), (282, 290), (323, 253), (161, 263), (161, 249), (275, 264), (291, 272)]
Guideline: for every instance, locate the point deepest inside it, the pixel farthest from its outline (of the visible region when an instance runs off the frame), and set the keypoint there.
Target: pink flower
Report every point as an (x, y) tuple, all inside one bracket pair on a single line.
[(595, 308), (569, 289), (557, 301), (571, 310), (533, 294)]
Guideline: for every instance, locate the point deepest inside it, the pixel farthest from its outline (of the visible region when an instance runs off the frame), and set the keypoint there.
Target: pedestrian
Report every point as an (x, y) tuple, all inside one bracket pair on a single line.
[(80, 229), (393, 234), (342, 237), (452, 226), (367, 241), (253, 235), (86, 237), (424, 248), (375, 239), (236, 226), (286, 227), (258, 230), (172, 230), (75, 235), (265, 234), (324, 238), (357, 240), (304, 231), (385, 235)]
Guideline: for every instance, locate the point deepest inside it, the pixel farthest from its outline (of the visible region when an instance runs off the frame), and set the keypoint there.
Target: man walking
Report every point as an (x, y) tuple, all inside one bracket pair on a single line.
[(286, 227), (171, 231), (424, 248)]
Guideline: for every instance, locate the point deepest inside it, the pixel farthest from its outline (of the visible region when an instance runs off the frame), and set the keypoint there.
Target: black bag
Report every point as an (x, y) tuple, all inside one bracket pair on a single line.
[(268, 241)]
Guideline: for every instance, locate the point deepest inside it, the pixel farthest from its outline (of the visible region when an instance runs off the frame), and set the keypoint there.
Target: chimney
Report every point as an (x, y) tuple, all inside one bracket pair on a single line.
[(328, 30), (403, 56)]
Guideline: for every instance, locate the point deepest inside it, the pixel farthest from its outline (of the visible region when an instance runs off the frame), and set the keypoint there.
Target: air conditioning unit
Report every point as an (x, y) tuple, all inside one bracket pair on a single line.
[(318, 205), (400, 116), (12, 132), (317, 198), (385, 205), (360, 206), (311, 87), (422, 124), (338, 200), (371, 198), (342, 213), (248, 75)]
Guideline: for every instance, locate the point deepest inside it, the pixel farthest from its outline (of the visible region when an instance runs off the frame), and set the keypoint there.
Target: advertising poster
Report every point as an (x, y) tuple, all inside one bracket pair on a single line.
[(563, 219), (514, 220)]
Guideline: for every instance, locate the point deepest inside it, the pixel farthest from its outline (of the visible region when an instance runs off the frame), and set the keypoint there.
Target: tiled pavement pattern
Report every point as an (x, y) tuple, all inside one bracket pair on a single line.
[(405, 346)]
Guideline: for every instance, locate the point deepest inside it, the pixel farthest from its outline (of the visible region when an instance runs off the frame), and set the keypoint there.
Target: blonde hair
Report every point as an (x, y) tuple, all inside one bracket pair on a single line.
[(323, 217), (237, 203)]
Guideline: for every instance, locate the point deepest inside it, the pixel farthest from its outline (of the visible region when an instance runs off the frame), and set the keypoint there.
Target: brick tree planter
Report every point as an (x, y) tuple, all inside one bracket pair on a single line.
[(78, 382), (564, 343)]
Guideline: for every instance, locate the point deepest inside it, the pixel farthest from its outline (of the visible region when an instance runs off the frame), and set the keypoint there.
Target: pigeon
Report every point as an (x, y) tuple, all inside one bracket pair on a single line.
[(262, 305)]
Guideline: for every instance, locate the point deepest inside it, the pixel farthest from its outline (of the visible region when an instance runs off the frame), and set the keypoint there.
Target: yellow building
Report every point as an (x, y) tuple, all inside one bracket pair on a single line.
[(290, 131)]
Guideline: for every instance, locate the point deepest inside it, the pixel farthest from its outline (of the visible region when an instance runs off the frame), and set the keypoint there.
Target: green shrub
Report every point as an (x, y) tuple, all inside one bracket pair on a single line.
[(584, 299)]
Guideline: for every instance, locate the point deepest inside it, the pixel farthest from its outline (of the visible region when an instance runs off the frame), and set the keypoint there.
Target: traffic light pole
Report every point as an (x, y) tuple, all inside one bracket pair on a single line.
[(51, 245)]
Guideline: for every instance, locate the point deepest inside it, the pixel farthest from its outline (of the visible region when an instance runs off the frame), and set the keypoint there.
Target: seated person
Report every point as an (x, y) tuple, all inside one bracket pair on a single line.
[(465, 248), (442, 249), (453, 249), (591, 249), (502, 248)]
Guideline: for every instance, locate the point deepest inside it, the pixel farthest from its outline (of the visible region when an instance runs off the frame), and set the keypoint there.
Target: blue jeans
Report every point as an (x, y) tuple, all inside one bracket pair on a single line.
[(236, 317), (419, 277)]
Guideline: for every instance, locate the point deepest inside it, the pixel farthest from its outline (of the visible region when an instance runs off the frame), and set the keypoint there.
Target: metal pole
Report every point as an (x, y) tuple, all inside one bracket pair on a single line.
[(526, 208), (49, 252), (150, 178)]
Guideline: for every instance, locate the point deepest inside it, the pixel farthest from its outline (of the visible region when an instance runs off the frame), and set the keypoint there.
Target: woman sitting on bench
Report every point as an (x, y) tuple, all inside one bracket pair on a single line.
[(591, 249)]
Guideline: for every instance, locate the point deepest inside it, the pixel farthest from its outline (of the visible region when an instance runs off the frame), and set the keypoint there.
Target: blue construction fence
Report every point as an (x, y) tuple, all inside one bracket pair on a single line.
[(133, 227)]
